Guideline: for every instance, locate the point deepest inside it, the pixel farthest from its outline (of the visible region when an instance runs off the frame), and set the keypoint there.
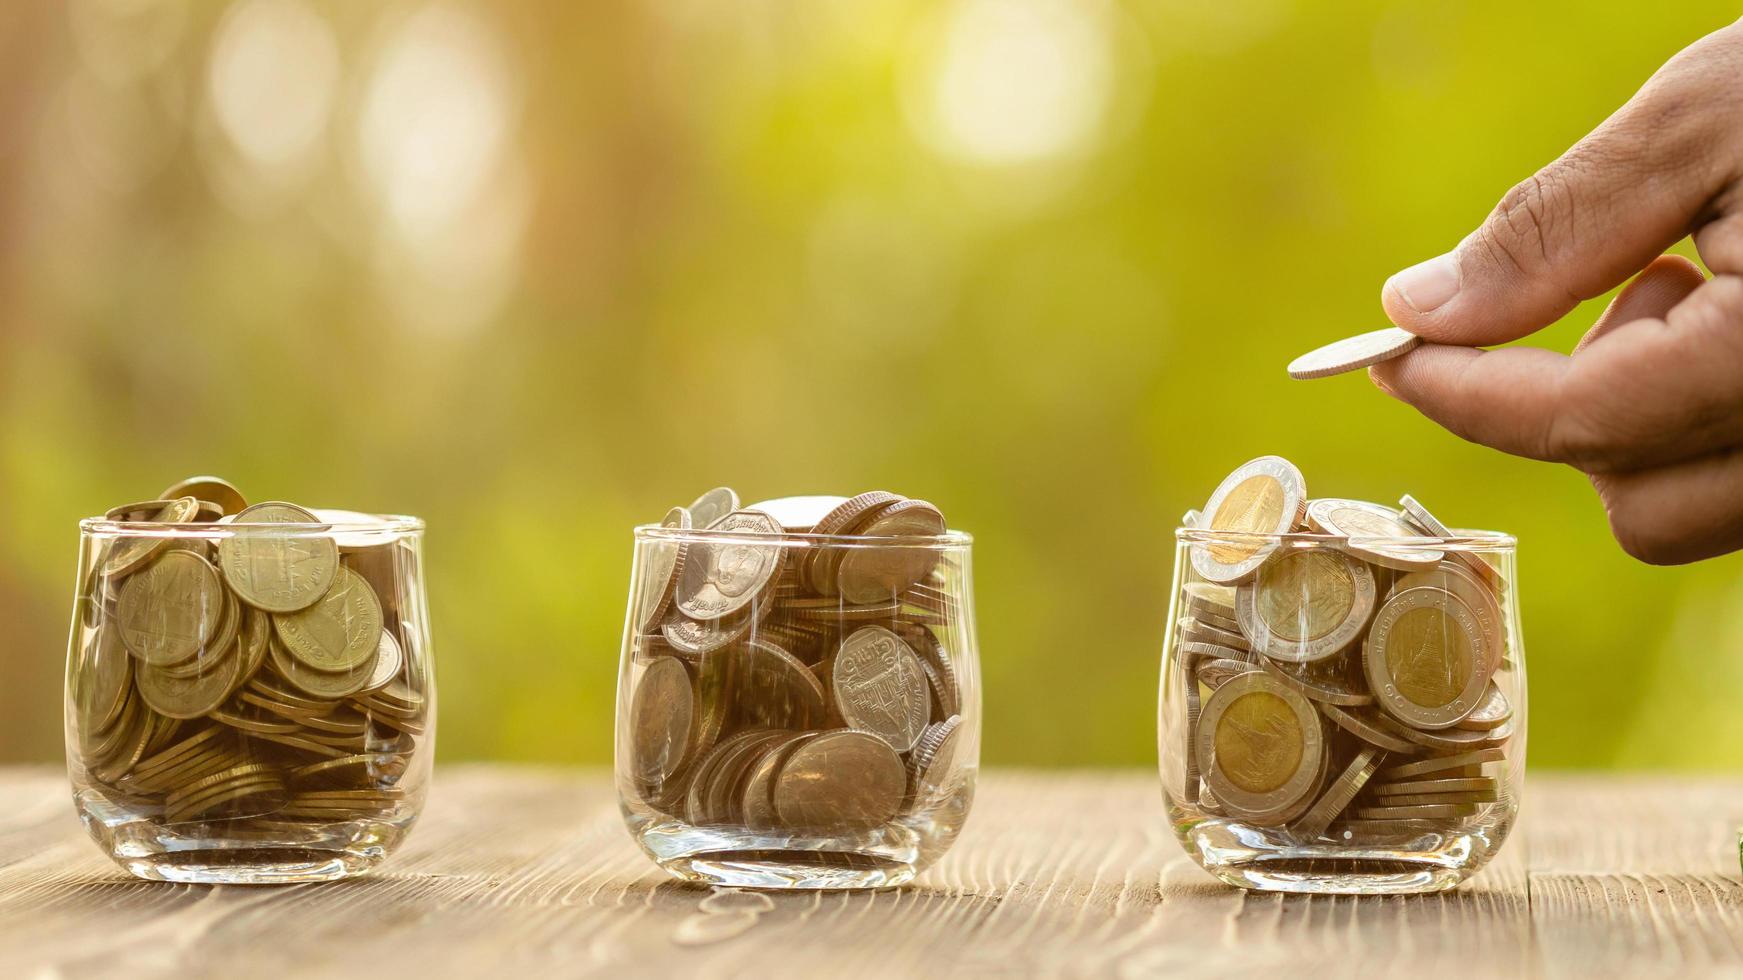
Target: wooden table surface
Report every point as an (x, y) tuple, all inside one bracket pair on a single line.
[(518, 872)]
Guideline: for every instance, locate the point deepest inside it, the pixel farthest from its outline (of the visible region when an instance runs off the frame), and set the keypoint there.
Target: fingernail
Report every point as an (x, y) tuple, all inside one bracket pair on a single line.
[(1427, 286)]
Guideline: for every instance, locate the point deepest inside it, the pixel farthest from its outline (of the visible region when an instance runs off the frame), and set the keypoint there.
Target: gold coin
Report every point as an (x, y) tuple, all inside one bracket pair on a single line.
[(1260, 747), (101, 679), (168, 612), (1259, 500), (330, 685), (132, 551), (1306, 605), (340, 631), (278, 572), (1427, 658), (189, 696), (215, 490)]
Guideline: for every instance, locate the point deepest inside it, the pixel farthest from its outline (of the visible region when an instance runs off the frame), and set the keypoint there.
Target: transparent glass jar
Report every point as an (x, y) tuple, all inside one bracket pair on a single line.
[(250, 702), (822, 730), (1348, 717)]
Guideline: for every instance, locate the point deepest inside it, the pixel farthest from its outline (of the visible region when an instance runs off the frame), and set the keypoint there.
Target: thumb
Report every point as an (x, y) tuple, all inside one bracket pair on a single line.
[(1589, 220)]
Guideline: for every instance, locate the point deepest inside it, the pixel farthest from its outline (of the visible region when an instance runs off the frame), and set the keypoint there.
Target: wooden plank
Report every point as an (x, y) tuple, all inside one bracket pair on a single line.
[(1058, 873)]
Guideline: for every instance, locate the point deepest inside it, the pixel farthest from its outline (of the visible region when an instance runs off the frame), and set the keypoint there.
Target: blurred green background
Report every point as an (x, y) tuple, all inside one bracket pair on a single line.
[(538, 271)]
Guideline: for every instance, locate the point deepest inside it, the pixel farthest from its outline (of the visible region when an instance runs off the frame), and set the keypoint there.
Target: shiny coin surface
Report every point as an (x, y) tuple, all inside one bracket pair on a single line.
[(1214, 673), (713, 506), (339, 632), (169, 612), (1419, 787), (131, 552), (1365, 725), (1329, 681), (1371, 528), (212, 489), (273, 572), (1262, 498), (1485, 605), (1338, 795), (773, 689), (1432, 811), (720, 578), (1417, 769), (1427, 658), (1419, 515), (659, 579), (1306, 605), (840, 782), (879, 687), (1353, 353), (661, 715), (1260, 747), (933, 763), (1491, 713), (878, 573)]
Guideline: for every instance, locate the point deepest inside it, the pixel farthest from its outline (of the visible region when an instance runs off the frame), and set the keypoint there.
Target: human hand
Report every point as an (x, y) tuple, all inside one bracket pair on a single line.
[(1650, 403)]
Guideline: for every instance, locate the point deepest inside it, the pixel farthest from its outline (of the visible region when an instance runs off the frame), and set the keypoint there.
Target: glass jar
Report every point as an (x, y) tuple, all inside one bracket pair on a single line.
[(797, 710), (249, 700), (1347, 715)]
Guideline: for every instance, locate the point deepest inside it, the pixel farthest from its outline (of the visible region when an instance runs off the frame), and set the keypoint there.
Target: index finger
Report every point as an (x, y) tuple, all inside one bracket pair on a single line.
[(1509, 399)]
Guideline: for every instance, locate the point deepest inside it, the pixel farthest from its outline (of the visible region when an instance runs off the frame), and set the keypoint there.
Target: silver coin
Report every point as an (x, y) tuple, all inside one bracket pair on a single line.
[(712, 506), (1353, 353), (1358, 520), (879, 687)]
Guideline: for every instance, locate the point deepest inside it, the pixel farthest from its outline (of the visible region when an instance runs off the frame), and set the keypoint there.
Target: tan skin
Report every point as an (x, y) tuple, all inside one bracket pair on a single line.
[(1650, 404)]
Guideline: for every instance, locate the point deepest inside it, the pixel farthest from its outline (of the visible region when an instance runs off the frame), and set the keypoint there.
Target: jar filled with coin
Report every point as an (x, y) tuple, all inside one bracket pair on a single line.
[(798, 697), (249, 695), (1343, 690)]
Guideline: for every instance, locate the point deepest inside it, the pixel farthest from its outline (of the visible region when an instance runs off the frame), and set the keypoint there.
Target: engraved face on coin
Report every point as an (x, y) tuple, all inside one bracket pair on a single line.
[(1262, 497), (278, 573), (881, 688), (1426, 658), (1260, 747), (169, 612), (1306, 604), (722, 577), (337, 633), (1358, 519)]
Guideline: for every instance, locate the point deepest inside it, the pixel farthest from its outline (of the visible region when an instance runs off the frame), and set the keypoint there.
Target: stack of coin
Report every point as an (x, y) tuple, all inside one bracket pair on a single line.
[(792, 673), (1348, 683), (248, 675)]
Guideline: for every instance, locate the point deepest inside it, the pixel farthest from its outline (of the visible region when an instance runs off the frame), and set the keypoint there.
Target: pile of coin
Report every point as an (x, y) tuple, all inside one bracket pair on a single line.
[(1348, 684), (247, 675), (791, 673)]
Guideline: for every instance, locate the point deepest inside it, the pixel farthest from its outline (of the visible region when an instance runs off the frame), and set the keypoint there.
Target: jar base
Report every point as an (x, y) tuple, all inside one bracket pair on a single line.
[(820, 871), (272, 867), (1410, 863)]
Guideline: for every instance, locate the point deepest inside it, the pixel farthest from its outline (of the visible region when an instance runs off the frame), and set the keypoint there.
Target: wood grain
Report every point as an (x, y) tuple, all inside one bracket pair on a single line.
[(530, 873)]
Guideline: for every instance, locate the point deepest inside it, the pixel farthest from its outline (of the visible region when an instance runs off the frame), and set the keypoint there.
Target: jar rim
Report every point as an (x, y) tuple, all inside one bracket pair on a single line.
[(946, 541), (1462, 539), (386, 525)]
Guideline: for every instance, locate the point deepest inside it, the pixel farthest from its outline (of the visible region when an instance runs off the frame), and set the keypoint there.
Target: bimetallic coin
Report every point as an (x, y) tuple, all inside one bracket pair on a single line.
[(1306, 605), (1419, 515), (1209, 597), (1329, 681), (278, 572), (215, 490), (1214, 673), (720, 578), (712, 506), (1366, 725), (1262, 498), (1353, 353), (659, 575), (1420, 787), (1260, 748), (1359, 520), (1484, 604), (1433, 811), (1441, 799), (1338, 796), (338, 632), (168, 613), (1491, 713), (1427, 658), (1194, 630), (840, 782), (879, 687)]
